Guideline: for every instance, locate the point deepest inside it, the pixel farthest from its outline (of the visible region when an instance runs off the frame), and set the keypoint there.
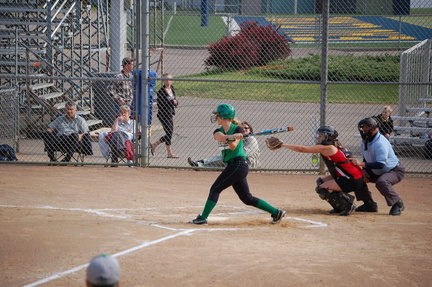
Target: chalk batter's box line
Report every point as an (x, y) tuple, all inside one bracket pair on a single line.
[(103, 213), (180, 232), (150, 243)]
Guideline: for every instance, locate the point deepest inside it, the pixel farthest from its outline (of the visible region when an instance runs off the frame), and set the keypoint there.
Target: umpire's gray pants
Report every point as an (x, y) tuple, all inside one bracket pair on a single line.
[(384, 183)]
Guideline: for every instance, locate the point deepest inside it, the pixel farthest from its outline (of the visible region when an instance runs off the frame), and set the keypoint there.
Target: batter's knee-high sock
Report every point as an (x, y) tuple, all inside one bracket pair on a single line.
[(210, 204), (263, 205)]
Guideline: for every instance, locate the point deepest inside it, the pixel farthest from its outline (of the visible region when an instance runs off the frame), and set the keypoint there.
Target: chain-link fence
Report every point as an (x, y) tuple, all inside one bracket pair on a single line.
[(9, 117), (298, 63)]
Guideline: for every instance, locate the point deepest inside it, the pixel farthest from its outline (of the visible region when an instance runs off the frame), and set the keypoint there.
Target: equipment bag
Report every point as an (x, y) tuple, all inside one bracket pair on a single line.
[(7, 153)]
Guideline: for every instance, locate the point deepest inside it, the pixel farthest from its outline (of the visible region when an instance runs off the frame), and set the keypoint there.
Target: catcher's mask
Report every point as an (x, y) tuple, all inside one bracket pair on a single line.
[(330, 135), (370, 122), (224, 111)]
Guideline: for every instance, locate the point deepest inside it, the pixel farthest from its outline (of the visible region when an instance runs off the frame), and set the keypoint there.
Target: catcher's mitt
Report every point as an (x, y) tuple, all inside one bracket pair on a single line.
[(273, 143)]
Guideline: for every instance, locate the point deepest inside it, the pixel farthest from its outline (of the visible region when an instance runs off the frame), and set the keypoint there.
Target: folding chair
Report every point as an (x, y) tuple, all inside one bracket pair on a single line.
[(126, 154), (60, 148), (121, 148)]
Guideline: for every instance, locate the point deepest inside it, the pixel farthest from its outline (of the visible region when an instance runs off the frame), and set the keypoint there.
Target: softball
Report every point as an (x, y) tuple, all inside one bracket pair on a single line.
[(314, 159)]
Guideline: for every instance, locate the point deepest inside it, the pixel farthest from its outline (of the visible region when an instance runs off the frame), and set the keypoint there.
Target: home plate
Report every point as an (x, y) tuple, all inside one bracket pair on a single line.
[(219, 218)]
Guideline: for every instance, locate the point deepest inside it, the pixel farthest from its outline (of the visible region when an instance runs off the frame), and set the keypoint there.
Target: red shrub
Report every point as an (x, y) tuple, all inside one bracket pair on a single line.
[(253, 46)]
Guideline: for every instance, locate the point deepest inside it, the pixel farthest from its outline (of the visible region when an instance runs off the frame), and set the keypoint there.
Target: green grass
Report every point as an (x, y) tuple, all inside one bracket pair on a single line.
[(416, 11), (424, 21), (340, 68), (282, 92), (187, 31)]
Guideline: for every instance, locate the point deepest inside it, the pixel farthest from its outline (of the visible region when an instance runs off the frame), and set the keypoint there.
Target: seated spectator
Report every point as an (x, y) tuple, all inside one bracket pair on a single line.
[(385, 122), (122, 131), (65, 133), (250, 146), (103, 270)]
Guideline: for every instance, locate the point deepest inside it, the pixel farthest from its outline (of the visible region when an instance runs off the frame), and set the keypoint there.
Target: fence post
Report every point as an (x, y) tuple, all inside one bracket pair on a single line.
[(324, 68), (425, 91)]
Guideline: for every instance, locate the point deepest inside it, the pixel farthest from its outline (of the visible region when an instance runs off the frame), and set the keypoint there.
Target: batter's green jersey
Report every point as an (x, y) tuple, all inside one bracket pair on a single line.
[(227, 154)]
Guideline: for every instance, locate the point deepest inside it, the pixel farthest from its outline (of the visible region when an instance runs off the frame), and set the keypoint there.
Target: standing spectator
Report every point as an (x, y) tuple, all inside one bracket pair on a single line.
[(250, 145), (381, 166), (230, 139), (65, 133), (103, 270), (385, 122), (166, 103), (121, 91), (344, 176)]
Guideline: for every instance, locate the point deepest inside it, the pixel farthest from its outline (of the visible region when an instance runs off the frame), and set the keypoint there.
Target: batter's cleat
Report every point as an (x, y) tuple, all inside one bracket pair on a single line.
[(348, 211), (368, 206), (397, 208), (278, 217), (333, 211), (199, 220)]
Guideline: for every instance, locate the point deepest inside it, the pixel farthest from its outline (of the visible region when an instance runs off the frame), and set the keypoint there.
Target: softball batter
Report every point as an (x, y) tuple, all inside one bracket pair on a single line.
[(230, 141)]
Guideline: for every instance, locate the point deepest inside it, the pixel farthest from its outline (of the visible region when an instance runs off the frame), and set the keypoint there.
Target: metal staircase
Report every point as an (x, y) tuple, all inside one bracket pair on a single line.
[(56, 45)]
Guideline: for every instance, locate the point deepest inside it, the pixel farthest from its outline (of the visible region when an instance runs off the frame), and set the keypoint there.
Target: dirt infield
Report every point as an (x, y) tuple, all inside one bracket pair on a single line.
[(54, 219)]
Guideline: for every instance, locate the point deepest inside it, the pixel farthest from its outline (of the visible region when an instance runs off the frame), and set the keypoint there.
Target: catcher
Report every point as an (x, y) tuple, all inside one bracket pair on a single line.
[(344, 176)]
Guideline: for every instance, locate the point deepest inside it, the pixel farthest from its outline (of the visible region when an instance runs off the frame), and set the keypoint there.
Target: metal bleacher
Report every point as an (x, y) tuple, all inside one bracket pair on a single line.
[(413, 125), (418, 127), (40, 40)]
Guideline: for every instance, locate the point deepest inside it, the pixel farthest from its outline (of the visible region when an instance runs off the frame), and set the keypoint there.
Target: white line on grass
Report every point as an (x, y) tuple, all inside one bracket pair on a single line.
[(168, 26)]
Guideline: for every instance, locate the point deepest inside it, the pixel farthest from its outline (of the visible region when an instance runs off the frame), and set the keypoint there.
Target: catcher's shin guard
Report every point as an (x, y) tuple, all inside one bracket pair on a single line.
[(340, 201), (323, 193)]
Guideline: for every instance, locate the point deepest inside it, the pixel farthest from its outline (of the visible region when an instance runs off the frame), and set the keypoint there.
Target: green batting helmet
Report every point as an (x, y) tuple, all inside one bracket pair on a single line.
[(225, 111)]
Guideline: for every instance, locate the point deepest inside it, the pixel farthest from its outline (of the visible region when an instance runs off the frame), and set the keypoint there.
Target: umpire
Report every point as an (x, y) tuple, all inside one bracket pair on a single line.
[(381, 166)]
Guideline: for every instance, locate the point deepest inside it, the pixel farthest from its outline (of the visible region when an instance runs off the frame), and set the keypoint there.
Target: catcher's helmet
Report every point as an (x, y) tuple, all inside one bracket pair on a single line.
[(225, 111), (329, 132)]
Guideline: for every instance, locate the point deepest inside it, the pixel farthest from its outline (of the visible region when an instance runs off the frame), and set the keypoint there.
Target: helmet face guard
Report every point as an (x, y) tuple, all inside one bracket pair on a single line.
[(223, 111), (213, 118), (370, 122), (330, 135), (367, 136)]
